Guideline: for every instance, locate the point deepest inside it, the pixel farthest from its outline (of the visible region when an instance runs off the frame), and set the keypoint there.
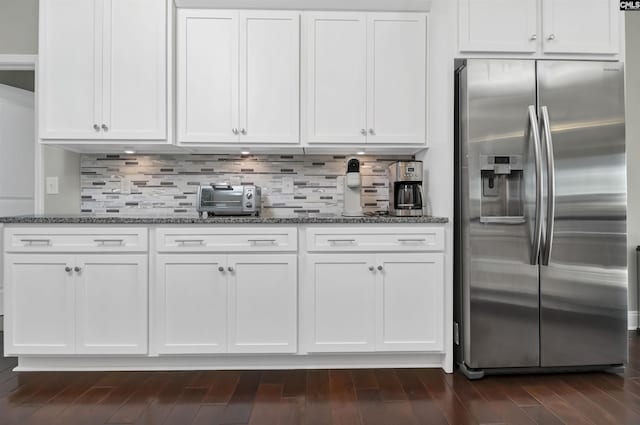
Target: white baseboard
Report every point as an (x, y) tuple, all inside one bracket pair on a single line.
[(232, 362), (632, 320)]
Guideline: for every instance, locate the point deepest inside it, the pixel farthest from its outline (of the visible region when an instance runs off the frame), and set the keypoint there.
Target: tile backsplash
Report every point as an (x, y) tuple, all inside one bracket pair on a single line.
[(166, 185)]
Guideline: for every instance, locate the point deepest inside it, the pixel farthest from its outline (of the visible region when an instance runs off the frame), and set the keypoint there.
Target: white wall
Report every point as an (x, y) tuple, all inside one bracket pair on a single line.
[(632, 73), (18, 27), (438, 159), (66, 166)]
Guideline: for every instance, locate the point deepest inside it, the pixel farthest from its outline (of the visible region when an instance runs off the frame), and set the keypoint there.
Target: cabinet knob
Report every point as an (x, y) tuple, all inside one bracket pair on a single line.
[(77, 269), (67, 269), (551, 37), (371, 268), (380, 268), (230, 269), (234, 130), (104, 127), (363, 132), (96, 127), (533, 37), (243, 131), (372, 132), (220, 269)]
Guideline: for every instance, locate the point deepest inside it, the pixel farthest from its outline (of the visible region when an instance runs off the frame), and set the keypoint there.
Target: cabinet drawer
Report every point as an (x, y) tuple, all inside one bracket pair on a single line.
[(321, 239), (282, 239), (71, 239)]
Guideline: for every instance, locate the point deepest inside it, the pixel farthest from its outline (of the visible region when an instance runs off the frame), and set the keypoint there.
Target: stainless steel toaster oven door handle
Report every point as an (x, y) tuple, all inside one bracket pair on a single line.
[(412, 240), (222, 187)]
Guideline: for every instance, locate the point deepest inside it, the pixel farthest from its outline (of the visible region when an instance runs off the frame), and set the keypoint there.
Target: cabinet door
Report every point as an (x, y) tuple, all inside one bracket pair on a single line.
[(336, 87), (40, 304), (591, 27), (111, 304), (207, 76), (341, 302), (397, 76), (262, 303), (269, 77), (70, 69), (498, 26), (410, 302), (191, 304), (135, 81)]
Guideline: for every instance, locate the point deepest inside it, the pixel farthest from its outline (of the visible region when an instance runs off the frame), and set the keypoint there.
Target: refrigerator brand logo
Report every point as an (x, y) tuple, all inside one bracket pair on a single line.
[(630, 5)]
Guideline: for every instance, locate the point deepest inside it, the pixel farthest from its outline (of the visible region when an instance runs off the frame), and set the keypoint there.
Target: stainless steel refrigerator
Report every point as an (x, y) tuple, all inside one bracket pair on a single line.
[(540, 234)]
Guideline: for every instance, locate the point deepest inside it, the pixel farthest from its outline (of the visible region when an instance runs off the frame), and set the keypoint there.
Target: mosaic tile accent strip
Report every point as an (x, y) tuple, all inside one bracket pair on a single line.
[(166, 185)]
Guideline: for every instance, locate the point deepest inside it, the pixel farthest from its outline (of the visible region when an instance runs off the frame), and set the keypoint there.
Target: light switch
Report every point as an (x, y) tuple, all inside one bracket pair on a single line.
[(52, 186)]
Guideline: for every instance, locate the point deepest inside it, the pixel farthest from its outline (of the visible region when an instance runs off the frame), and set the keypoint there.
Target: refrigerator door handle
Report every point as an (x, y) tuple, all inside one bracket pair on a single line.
[(551, 186), (532, 129)]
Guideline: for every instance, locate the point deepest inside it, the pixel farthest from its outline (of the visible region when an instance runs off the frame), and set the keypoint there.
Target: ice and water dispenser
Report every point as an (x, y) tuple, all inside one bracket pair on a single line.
[(502, 195)]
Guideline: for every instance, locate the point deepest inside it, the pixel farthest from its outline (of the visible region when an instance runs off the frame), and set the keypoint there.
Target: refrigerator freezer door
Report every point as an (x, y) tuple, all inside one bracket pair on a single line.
[(498, 182), (583, 290)]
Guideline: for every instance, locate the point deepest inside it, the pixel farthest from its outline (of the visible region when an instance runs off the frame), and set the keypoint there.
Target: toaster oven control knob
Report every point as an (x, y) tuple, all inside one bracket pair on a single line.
[(248, 205), (249, 195)]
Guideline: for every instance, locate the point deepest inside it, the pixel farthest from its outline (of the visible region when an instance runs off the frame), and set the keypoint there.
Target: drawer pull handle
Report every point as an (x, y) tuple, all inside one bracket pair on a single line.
[(350, 241), (47, 242), (412, 240), (257, 241), (106, 241), (186, 241)]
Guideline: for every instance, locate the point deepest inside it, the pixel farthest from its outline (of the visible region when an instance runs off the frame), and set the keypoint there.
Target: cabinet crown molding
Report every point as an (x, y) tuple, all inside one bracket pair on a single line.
[(352, 5)]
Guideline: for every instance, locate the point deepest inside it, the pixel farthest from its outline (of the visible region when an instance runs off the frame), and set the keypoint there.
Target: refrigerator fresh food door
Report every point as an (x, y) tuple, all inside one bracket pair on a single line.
[(583, 277), (500, 175)]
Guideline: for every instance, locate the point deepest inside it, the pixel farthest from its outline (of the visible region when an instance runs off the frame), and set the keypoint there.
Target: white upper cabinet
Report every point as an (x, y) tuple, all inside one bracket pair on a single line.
[(397, 77), (336, 77), (135, 77), (207, 76), (238, 77), (498, 26), (69, 69), (102, 70), (540, 27), (269, 77), (365, 78), (590, 27)]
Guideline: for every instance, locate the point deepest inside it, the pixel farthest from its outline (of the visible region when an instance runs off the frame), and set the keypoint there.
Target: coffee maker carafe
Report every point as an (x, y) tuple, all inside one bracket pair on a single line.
[(406, 198)]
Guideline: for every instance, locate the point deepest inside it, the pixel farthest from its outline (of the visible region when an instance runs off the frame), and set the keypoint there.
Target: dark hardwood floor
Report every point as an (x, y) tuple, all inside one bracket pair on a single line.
[(318, 397)]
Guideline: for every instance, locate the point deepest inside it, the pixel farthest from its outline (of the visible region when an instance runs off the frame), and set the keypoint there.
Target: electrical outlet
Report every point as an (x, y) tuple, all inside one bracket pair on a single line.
[(125, 186), (52, 186), (287, 186)]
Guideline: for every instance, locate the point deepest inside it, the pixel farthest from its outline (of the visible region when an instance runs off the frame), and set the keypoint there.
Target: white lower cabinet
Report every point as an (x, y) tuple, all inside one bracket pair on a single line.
[(262, 303), (68, 304), (342, 307), (191, 303), (211, 303), (111, 304), (375, 302), (409, 302), (39, 300)]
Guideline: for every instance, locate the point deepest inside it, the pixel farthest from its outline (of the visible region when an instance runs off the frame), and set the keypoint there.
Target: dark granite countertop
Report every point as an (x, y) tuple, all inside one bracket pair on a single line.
[(87, 219)]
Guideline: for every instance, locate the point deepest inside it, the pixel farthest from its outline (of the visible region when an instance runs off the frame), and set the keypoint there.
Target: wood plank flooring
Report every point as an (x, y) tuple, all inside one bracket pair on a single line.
[(318, 397)]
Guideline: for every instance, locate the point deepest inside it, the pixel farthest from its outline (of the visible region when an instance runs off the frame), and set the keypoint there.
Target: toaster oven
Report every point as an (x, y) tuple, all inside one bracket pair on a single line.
[(224, 199)]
